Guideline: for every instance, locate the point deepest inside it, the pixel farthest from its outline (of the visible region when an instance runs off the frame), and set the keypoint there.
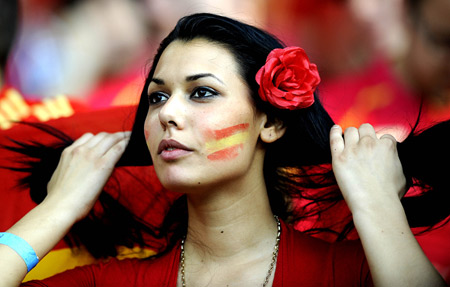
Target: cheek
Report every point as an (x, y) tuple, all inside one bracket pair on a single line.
[(147, 131), (147, 128), (226, 143), (146, 134), (226, 153)]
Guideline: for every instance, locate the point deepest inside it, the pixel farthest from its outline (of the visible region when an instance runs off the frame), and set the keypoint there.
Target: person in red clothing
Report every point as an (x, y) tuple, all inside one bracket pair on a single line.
[(230, 119)]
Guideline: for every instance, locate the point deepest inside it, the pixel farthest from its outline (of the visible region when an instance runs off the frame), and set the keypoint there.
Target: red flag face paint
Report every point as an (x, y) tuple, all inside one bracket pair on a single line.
[(225, 144)]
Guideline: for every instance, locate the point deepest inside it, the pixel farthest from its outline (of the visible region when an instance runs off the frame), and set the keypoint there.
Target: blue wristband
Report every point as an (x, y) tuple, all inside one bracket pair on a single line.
[(21, 247)]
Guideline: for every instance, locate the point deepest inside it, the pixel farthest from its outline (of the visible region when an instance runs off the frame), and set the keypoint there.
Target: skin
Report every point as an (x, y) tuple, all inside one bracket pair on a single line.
[(231, 230), (229, 213), (84, 168), (183, 115), (370, 177)]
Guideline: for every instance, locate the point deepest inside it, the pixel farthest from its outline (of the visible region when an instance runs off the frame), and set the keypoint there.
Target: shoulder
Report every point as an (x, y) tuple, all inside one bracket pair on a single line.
[(161, 271)]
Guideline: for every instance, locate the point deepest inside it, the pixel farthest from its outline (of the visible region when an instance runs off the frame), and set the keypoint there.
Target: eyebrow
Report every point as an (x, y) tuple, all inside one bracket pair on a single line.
[(204, 75), (157, 81), (190, 78)]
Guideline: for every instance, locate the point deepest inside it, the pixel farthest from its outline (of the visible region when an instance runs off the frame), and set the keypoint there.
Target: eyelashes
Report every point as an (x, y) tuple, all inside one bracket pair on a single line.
[(157, 97), (198, 94), (203, 93)]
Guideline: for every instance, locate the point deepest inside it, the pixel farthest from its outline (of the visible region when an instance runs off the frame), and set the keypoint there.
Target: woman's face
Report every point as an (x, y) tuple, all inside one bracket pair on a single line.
[(201, 128)]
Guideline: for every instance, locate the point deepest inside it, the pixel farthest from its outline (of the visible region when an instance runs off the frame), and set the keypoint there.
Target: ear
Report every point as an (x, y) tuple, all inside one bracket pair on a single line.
[(271, 130)]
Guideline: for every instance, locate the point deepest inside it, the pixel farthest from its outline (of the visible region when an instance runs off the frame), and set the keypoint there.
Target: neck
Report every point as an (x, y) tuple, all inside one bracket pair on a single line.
[(231, 232), (230, 222)]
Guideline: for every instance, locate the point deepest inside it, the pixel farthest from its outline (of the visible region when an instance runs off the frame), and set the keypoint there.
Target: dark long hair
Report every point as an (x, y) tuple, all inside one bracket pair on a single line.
[(297, 167), (9, 22), (307, 130)]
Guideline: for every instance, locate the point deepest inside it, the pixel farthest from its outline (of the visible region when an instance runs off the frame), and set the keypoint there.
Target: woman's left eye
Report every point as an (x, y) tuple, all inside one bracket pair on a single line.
[(203, 92)]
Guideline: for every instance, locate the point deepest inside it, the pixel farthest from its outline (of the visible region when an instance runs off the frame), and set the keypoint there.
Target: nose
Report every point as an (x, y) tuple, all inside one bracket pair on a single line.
[(172, 113)]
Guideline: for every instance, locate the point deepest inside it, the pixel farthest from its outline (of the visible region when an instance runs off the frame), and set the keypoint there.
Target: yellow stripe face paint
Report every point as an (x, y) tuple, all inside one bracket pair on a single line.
[(226, 143)]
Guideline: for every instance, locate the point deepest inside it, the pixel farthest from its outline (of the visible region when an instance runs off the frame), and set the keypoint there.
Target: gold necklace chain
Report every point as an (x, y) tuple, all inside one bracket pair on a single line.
[(271, 267)]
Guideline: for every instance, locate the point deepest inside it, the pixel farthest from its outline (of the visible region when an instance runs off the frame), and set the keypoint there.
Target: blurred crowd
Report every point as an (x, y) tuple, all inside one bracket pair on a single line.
[(96, 51), (380, 60), (375, 56)]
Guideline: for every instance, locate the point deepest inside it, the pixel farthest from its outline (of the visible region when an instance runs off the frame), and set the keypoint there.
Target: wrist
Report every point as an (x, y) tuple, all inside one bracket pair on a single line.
[(21, 247), (44, 226), (381, 217), (379, 204), (59, 211)]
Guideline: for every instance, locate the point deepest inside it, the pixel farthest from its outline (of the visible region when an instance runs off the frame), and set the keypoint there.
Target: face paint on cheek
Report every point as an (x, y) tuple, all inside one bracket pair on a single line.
[(225, 144), (227, 153)]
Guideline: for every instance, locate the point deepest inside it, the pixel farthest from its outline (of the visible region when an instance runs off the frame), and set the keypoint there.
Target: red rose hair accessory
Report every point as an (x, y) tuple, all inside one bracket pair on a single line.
[(288, 79)]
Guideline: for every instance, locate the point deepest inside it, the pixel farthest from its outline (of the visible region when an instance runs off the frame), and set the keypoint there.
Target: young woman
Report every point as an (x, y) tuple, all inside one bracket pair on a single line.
[(229, 118)]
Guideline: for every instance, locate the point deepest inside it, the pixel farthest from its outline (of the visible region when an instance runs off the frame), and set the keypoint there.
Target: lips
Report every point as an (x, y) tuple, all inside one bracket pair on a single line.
[(170, 146)]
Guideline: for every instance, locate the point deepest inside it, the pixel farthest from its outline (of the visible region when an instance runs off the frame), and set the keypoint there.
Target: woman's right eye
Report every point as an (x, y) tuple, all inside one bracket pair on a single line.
[(157, 97)]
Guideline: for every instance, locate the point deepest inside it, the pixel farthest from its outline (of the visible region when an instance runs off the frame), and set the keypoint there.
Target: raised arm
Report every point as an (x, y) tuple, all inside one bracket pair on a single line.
[(83, 170), (370, 177)]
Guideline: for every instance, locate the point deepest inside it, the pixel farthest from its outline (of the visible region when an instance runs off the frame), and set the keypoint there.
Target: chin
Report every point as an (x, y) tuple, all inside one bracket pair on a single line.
[(180, 184)]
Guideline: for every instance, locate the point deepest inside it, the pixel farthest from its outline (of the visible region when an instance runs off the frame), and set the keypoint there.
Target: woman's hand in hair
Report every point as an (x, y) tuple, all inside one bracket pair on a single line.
[(84, 169), (367, 168), (370, 177)]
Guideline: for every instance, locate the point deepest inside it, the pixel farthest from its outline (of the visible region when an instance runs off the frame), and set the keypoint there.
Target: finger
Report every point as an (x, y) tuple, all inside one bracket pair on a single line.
[(389, 139), (87, 142), (336, 140), (92, 142), (110, 140), (367, 130), (81, 140), (351, 136), (115, 152)]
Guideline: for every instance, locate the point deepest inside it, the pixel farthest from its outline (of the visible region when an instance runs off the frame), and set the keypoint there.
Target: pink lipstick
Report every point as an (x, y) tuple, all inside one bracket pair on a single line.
[(172, 150)]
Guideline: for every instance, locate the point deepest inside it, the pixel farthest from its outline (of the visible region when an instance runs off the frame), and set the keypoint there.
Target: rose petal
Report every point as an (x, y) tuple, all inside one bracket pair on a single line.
[(288, 79)]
